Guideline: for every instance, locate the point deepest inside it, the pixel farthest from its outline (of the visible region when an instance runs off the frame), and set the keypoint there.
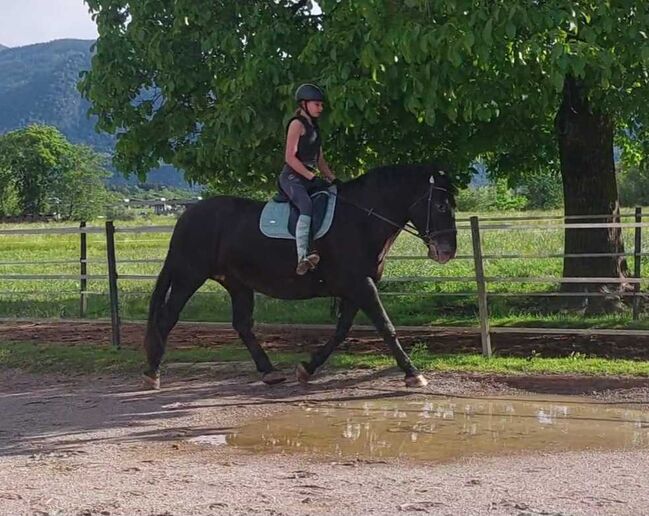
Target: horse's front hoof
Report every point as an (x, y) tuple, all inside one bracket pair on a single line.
[(151, 381), (303, 376), (273, 377), (416, 381)]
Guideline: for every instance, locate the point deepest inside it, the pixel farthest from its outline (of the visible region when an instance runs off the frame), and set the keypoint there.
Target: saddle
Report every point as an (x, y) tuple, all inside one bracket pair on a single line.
[(279, 216)]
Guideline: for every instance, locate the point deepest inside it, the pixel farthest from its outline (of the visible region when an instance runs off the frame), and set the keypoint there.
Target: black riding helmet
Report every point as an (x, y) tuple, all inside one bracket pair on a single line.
[(308, 92)]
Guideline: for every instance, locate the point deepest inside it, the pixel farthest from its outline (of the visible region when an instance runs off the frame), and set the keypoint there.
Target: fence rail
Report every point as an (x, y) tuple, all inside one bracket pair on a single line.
[(481, 281)]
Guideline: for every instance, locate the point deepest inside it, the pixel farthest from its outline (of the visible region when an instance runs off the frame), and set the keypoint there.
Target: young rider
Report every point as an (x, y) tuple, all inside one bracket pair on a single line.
[(303, 158)]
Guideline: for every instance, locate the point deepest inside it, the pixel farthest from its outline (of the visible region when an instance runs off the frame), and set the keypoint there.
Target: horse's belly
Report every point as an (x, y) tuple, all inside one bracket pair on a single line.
[(290, 288)]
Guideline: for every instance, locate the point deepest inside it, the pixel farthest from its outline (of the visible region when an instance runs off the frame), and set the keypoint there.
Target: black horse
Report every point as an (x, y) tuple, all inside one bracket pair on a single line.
[(219, 239)]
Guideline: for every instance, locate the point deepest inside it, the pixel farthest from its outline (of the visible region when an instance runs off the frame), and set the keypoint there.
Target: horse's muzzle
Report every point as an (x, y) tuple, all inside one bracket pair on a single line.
[(441, 254)]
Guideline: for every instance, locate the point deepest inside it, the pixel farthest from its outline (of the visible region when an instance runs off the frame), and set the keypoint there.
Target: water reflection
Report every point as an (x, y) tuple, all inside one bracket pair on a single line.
[(447, 428)]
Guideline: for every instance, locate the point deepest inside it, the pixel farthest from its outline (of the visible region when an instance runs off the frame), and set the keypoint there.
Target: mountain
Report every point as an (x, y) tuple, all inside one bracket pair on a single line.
[(38, 85)]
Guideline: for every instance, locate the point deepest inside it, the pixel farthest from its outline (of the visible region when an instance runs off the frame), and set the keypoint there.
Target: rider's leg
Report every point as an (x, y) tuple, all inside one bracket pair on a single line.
[(302, 229), (295, 189)]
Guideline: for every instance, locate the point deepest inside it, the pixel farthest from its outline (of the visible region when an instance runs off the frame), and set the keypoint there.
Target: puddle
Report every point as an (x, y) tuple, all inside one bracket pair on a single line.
[(213, 440), (442, 429)]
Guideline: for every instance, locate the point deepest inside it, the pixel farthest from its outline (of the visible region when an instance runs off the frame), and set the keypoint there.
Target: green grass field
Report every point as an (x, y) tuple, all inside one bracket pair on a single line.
[(409, 303), (39, 357)]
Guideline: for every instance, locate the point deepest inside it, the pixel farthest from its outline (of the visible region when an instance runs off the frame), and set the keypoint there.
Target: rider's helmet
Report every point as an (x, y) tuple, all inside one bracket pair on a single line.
[(308, 92)]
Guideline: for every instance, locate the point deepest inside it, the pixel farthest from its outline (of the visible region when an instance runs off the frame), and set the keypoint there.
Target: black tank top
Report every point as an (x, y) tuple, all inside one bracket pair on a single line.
[(309, 144)]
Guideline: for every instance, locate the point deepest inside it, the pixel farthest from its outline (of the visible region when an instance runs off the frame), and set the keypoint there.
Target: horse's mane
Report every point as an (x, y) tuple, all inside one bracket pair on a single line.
[(399, 174)]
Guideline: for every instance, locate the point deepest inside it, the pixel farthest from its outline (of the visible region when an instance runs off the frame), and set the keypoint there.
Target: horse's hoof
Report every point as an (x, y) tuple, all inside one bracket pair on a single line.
[(151, 381), (416, 381), (303, 376), (273, 377)]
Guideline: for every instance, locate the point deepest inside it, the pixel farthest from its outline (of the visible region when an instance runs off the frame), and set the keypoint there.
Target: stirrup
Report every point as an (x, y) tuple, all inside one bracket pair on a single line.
[(314, 258), (307, 263)]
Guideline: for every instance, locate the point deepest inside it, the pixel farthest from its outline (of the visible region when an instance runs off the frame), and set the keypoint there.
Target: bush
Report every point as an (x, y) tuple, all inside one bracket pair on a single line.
[(9, 200), (544, 190), (494, 197), (633, 187), (118, 212)]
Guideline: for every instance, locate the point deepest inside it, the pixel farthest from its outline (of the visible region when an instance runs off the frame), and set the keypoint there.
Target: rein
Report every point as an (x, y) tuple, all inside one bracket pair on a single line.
[(407, 227)]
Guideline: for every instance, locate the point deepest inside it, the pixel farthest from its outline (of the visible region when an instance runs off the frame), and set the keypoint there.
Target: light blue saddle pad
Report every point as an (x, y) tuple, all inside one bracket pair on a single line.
[(274, 219)]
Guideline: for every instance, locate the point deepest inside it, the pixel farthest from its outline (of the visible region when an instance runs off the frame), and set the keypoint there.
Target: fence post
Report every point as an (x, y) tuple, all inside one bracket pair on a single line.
[(83, 270), (637, 262), (482, 288), (112, 282)]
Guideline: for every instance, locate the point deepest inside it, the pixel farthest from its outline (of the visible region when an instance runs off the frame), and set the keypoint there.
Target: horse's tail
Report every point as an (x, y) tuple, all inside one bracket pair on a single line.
[(153, 340), (162, 285)]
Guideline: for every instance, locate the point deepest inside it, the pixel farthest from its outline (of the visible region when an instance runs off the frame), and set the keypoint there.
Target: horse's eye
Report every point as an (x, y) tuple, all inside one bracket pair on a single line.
[(442, 208)]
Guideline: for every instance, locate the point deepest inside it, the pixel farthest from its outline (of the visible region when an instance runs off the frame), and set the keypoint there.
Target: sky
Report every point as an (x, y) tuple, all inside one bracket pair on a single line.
[(24, 22)]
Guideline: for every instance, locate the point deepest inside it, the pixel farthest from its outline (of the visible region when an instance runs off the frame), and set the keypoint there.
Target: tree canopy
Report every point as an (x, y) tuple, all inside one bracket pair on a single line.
[(41, 172), (206, 85)]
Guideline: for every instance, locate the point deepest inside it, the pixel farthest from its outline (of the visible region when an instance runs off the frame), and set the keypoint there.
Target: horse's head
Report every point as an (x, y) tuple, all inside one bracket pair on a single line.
[(433, 215)]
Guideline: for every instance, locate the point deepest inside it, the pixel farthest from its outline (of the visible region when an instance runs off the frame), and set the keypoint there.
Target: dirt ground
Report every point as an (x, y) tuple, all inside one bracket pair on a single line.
[(102, 446), (81, 445), (438, 340)]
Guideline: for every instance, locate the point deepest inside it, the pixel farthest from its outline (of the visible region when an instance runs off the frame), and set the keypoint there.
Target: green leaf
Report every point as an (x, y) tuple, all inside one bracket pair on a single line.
[(454, 57), (644, 53), (487, 32), (451, 112), (578, 66), (468, 40), (557, 79), (557, 51)]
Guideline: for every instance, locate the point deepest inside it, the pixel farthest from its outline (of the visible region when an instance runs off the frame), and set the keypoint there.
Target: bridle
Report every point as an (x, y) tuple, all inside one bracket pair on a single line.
[(428, 235)]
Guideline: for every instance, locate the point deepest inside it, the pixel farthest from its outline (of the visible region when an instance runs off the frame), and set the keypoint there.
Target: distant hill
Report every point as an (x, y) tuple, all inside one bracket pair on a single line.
[(38, 85)]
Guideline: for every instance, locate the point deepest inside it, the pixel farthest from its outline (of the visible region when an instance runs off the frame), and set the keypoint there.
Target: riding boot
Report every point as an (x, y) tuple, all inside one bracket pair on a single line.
[(305, 260)]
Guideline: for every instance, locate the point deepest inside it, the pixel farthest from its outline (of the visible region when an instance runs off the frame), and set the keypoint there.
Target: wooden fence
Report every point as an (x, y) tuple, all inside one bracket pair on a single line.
[(473, 224)]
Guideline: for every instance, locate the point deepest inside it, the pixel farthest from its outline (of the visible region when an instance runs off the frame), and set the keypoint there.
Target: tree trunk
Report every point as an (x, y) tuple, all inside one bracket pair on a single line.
[(589, 187)]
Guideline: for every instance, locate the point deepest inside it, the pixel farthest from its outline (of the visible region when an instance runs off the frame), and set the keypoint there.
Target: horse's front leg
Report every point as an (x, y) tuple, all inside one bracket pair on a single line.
[(365, 295), (348, 311)]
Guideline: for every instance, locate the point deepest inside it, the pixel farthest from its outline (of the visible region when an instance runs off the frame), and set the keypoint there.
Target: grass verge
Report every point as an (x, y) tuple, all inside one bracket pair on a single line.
[(102, 359)]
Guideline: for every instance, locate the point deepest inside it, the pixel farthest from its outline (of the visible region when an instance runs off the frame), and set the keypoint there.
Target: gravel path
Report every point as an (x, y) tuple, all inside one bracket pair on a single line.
[(101, 446)]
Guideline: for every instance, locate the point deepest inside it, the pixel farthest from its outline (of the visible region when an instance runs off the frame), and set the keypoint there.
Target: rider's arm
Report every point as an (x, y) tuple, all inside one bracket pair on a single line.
[(295, 130), (323, 167)]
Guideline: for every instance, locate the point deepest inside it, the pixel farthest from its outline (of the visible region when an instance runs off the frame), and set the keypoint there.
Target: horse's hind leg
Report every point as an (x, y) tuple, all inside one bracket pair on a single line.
[(348, 311), (365, 294), (243, 305), (162, 318)]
